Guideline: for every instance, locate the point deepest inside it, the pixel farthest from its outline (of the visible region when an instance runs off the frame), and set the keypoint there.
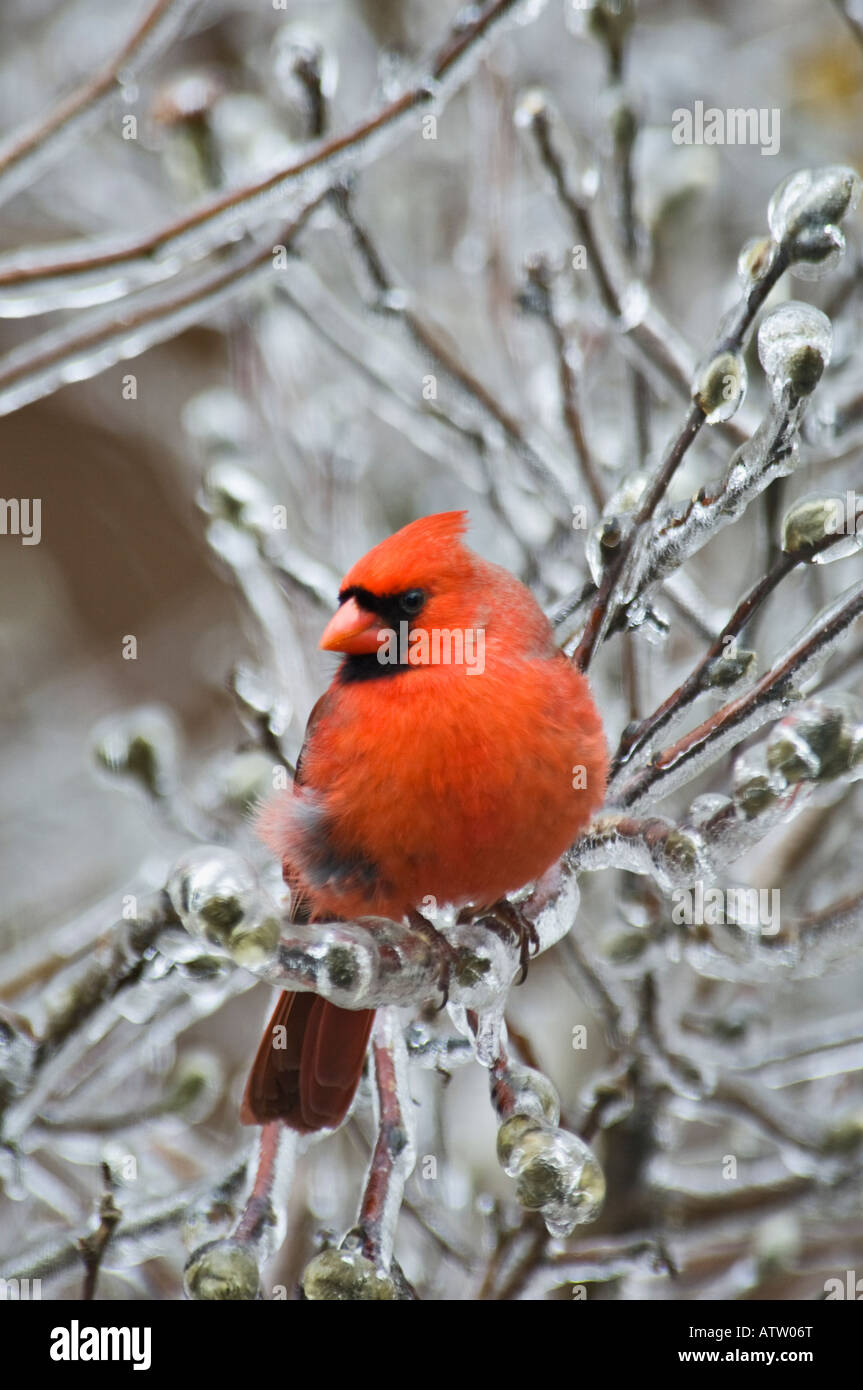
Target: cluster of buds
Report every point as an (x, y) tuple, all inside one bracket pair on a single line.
[(816, 743), (556, 1174)]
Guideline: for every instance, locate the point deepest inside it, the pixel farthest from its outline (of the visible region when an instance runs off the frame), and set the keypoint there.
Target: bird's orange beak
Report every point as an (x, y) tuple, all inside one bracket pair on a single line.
[(351, 629)]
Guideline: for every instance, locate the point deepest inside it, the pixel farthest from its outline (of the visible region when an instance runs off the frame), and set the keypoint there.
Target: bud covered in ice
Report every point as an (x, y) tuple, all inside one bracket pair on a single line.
[(343, 1276), (756, 788), (556, 1173), (224, 1271), (756, 259), (730, 668), (216, 896), (533, 1094), (235, 495), (804, 215), (719, 386), (794, 346), (140, 745), (812, 519), (813, 743)]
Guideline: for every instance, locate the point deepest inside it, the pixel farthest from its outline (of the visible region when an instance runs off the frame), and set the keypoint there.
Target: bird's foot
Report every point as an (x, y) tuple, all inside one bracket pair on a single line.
[(446, 953), (510, 915)]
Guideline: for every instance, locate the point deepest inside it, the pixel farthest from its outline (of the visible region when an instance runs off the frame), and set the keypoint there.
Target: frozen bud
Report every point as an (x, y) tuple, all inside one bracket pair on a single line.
[(219, 420), (196, 1086), (609, 20), (846, 1136), (680, 854), (602, 541), (530, 106), (818, 517), (346, 1276), (186, 97), (706, 810), (794, 345), (234, 495), (720, 386), (141, 745), (810, 520), (222, 1271), (304, 76), (511, 1138), (216, 896), (247, 777), (789, 755), (756, 788), (628, 494), (18, 1052), (814, 743), (730, 668), (559, 1177), (534, 1094), (756, 259), (804, 214)]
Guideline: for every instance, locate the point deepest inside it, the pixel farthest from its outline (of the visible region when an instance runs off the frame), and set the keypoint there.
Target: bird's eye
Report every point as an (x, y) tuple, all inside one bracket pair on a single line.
[(412, 602)]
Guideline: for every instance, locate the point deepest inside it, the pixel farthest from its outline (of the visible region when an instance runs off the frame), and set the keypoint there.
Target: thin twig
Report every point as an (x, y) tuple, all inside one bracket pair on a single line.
[(212, 221), (45, 138)]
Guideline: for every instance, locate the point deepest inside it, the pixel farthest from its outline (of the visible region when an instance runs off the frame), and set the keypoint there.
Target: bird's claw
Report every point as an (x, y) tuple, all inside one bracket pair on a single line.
[(446, 953), (510, 915)]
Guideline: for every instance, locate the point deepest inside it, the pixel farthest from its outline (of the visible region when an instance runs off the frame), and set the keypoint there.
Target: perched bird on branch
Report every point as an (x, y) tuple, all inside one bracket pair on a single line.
[(454, 758)]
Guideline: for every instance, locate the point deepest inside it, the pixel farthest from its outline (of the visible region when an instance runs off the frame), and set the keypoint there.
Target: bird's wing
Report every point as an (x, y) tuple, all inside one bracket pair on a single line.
[(319, 709), (300, 905)]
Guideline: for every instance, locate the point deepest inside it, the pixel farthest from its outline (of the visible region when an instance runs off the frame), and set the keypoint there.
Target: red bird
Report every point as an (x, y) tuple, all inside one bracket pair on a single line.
[(456, 755)]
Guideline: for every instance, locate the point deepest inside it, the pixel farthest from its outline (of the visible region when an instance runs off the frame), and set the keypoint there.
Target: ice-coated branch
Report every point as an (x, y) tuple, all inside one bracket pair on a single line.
[(362, 1267), (738, 718), (794, 345), (140, 1232), (116, 963), (229, 1269), (810, 531), (94, 1245), (218, 897), (653, 341), (394, 301), (603, 608), (540, 299), (42, 365), (25, 154), (803, 216), (92, 273), (394, 1154)]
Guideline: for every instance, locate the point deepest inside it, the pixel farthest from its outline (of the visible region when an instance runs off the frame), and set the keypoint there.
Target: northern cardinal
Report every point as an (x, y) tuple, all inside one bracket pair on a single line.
[(421, 775)]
